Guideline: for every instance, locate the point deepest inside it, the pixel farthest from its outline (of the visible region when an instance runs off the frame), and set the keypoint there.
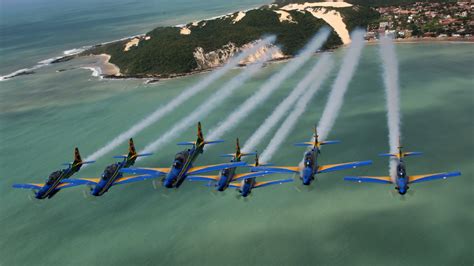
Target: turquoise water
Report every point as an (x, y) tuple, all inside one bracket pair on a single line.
[(32, 31), (44, 116)]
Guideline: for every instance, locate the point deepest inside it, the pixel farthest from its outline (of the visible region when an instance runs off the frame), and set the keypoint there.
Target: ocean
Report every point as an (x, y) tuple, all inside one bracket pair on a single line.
[(45, 115)]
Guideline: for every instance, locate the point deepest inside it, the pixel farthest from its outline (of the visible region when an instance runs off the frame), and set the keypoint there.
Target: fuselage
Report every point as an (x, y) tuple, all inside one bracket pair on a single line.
[(246, 187), (110, 175), (310, 166), (54, 180), (183, 161), (402, 178), (226, 176)]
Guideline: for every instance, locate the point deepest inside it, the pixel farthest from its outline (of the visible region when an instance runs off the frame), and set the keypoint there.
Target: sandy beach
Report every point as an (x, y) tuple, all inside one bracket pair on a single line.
[(106, 68)]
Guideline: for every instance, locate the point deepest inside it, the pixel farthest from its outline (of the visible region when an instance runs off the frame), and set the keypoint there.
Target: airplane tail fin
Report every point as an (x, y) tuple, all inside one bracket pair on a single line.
[(131, 148), (317, 143), (132, 152), (78, 162), (238, 153), (237, 148), (257, 161), (401, 155), (77, 156), (200, 139)]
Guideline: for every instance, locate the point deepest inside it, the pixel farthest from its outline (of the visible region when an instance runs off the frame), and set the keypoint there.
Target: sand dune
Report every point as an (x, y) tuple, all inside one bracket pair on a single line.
[(332, 17)]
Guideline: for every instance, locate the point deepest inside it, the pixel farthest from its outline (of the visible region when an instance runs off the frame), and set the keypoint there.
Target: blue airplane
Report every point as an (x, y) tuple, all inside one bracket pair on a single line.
[(112, 175), (401, 180), (246, 185), (228, 175), (55, 181), (182, 167), (310, 167)]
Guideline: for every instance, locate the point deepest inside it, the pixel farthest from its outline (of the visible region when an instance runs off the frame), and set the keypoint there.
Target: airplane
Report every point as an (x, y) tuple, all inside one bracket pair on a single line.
[(310, 167), (401, 180), (55, 181), (248, 183), (111, 175), (182, 167), (228, 175)]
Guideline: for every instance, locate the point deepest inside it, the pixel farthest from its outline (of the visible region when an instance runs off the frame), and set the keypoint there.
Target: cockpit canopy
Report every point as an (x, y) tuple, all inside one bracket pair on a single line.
[(225, 172), (401, 172), (179, 159), (109, 171), (308, 159), (53, 177)]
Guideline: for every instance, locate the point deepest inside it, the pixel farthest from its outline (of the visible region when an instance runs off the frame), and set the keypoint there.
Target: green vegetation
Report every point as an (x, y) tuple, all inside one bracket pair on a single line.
[(168, 52), (379, 3), (358, 17), (368, 3)]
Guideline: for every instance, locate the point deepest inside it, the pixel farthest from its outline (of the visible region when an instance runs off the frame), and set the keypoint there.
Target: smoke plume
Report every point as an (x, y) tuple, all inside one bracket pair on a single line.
[(176, 102)]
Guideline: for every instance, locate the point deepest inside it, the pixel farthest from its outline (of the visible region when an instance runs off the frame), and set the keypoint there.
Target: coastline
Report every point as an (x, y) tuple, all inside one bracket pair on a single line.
[(155, 78), (107, 68), (428, 40)]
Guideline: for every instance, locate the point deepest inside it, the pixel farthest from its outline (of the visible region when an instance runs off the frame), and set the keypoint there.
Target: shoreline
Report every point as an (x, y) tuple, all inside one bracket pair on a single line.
[(107, 70), (148, 79), (427, 40), (106, 67)]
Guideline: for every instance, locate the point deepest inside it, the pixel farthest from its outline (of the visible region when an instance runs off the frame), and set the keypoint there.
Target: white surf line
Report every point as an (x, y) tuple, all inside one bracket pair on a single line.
[(213, 102), (340, 85), (161, 111), (270, 85), (284, 107), (282, 133), (392, 94)]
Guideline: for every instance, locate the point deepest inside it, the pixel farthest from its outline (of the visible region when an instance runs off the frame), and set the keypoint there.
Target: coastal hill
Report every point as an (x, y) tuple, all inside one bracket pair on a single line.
[(200, 45)]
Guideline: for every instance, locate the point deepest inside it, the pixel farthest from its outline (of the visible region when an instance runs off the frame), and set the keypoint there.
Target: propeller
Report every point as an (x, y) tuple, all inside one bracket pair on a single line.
[(155, 184), (312, 185), (166, 192), (86, 193), (212, 188), (32, 197), (393, 193), (403, 197), (239, 196)]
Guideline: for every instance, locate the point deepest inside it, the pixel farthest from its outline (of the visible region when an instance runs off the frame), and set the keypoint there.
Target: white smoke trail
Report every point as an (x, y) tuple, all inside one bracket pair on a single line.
[(271, 85), (283, 108), (390, 78), (213, 102), (339, 88), (176, 102), (282, 133)]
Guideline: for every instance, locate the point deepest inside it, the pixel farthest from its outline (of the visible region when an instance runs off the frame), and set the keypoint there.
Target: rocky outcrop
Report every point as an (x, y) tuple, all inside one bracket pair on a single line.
[(214, 58), (220, 56)]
